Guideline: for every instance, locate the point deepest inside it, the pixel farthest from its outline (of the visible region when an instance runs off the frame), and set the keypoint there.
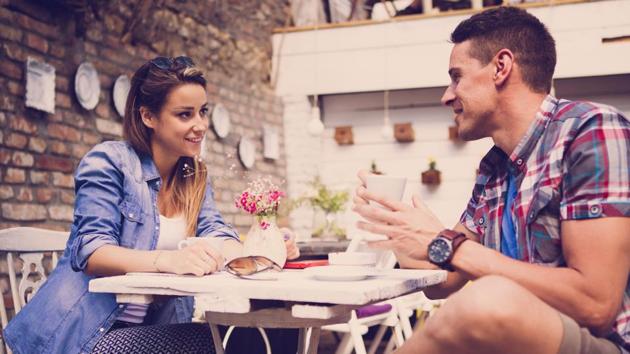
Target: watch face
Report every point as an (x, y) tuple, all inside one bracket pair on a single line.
[(439, 251)]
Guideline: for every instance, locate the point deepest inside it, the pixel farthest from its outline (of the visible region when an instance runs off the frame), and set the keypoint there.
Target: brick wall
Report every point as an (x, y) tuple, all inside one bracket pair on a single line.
[(39, 151)]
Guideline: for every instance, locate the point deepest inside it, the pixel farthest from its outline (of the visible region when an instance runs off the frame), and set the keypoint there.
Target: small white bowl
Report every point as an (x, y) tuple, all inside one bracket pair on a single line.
[(352, 258)]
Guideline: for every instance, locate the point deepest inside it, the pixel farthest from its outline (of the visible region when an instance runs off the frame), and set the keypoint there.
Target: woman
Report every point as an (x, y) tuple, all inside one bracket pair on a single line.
[(135, 200)]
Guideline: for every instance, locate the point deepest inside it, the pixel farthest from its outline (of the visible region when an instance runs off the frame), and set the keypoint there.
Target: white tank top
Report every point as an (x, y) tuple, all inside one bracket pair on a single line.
[(172, 230)]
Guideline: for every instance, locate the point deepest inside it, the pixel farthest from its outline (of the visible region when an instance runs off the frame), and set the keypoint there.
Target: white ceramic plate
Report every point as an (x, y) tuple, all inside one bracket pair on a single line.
[(220, 120), (246, 152), (87, 86), (120, 93), (341, 273)]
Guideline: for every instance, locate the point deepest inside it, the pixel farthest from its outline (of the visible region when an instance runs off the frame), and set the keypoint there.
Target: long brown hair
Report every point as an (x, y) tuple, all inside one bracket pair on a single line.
[(150, 87)]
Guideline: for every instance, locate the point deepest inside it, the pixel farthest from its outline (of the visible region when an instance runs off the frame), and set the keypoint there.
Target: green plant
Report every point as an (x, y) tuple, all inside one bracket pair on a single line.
[(432, 163), (330, 202), (326, 199), (375, 169)]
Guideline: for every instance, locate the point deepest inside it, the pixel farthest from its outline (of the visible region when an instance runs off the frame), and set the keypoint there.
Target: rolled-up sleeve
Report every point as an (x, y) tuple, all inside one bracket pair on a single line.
[(97, 219), (210, 222), (597, 179)]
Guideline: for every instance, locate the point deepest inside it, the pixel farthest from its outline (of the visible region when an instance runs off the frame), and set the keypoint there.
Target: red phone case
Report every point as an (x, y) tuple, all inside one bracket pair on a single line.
[(305, 264)]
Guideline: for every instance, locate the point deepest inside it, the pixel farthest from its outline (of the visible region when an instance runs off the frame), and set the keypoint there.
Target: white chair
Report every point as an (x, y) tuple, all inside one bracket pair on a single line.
[(409, 305), (29, 245), (358, 325)]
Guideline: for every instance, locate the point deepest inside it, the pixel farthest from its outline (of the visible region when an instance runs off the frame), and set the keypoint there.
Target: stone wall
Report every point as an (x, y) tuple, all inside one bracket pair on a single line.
[(39, 151), (230, 40)]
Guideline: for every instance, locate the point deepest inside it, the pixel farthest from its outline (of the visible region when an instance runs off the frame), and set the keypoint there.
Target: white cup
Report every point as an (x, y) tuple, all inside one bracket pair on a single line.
[(390, 187), (215, 242)]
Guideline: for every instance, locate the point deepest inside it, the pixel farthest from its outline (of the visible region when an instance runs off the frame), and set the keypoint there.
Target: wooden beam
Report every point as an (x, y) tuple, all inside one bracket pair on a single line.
[(325, 26)]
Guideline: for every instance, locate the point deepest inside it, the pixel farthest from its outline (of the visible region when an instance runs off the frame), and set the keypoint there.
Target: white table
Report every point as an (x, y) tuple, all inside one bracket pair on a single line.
[(293, 300)]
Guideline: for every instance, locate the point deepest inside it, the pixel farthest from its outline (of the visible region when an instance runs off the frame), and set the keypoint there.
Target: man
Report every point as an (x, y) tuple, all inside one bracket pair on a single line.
[(546, 234)]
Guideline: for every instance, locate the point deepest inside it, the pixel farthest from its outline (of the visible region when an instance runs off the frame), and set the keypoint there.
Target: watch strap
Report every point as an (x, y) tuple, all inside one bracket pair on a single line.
[(456, 238)]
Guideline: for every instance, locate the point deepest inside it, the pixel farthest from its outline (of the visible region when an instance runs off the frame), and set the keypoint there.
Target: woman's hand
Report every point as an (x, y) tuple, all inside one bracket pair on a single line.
[(198, 259), (293, 251)]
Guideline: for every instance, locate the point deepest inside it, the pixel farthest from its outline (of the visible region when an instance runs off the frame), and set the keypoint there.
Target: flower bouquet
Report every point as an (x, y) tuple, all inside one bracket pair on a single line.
[(264, 239), (262, 199)]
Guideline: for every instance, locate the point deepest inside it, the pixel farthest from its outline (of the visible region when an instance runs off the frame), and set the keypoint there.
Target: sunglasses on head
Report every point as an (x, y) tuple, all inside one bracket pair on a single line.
[(167, 63)]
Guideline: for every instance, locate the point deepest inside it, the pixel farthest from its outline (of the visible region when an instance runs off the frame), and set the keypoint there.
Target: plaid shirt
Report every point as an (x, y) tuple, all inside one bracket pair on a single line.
[(573, 163)]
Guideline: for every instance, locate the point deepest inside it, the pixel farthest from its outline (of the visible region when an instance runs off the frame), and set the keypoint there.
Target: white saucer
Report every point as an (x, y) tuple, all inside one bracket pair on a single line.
[(341, 273), (120, 93), (87, 86)]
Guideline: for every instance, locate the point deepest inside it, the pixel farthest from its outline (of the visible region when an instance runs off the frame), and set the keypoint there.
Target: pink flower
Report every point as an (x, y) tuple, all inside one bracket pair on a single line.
[(264, 225), (261, 198)]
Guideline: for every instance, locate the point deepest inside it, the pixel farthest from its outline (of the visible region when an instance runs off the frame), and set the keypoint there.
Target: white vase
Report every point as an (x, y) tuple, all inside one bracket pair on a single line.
[(267, 241)]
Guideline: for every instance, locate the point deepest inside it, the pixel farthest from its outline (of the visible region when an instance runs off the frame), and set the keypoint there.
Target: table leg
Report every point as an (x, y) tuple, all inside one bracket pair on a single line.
[(308, 341), (314, 340), (302, 341), (216, 339)]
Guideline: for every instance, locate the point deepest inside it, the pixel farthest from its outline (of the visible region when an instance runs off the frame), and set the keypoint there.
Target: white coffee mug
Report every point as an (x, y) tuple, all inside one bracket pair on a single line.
[(215, 242), (390, 187)]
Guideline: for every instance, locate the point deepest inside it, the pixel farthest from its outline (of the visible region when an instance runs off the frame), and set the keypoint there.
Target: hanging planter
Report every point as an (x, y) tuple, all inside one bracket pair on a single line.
[(343, 135), (432, 176), (403, 132)]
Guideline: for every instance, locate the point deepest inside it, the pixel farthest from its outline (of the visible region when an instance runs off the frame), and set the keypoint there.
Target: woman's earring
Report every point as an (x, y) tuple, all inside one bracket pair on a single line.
[(187, 170)]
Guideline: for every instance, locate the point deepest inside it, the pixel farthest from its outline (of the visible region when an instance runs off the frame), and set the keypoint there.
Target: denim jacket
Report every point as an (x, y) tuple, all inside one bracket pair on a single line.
[(116, 203)]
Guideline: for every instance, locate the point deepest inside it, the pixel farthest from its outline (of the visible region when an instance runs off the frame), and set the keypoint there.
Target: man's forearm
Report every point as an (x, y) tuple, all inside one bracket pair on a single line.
[(563, 288)]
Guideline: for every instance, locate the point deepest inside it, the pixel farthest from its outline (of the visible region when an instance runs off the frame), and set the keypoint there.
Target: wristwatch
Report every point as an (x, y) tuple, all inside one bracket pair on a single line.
[(442, 248)]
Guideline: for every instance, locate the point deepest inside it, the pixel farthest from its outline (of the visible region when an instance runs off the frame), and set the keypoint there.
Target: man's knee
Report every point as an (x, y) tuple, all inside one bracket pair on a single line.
[(493, 299), (482, 310)]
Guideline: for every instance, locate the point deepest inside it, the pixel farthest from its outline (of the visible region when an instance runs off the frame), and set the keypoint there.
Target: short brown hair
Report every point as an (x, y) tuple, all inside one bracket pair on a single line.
[(517, 30)]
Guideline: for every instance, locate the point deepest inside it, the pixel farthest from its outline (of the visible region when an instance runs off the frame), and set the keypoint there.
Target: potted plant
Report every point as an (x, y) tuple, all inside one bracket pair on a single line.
[(432, 176), (374, 169), (327, 205)]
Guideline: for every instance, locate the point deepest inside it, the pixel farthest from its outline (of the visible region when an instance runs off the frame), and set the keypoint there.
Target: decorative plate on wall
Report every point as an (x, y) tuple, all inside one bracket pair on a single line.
[(271, 143), (120, 93), (87, 86), (246, 152), (220, 120)]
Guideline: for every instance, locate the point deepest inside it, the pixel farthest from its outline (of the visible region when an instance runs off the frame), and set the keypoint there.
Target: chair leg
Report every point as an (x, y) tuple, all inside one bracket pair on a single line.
[(403, 318), (263, 334), (390, 345), (216, 338), (357, 338), (313, 342), (378, 337), (398, 335), (345, 345)]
